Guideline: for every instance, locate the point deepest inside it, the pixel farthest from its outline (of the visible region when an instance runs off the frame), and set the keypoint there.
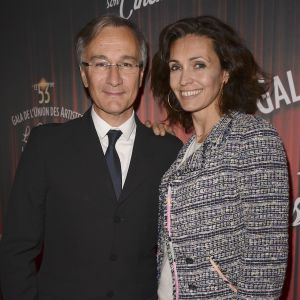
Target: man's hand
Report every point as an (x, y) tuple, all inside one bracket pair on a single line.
[(159, 128)]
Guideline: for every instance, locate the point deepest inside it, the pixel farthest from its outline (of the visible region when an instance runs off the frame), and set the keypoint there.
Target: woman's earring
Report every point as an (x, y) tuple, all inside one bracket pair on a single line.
[(173, 108), (222, 89)]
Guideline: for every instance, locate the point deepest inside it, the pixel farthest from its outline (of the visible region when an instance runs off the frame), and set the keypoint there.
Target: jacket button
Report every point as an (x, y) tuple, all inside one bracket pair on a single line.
[(192, 287), (117, 219), (113, 257), (189, 260), (110, 294)]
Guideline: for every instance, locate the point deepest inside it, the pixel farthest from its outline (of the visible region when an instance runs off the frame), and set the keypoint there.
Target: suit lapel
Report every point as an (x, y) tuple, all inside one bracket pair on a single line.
[(94, 163), (141, 160), (139, 163)]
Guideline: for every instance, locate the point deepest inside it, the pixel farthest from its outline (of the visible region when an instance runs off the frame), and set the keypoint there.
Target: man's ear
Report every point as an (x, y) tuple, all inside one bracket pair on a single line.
[(141, 77), (83, 77)]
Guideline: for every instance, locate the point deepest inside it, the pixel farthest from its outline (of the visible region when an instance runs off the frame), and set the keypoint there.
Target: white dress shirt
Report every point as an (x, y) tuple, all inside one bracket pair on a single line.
[(124, 144)]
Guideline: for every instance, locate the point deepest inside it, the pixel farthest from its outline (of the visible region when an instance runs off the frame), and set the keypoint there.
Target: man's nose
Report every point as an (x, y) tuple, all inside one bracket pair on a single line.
[(114, 77)]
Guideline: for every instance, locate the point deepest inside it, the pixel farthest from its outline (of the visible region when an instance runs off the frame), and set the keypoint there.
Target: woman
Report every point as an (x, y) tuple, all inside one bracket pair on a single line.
[(224, 201)]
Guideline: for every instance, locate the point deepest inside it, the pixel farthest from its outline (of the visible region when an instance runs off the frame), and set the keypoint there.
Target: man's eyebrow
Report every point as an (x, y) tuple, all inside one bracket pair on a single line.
[(100, 56), (129, 57)]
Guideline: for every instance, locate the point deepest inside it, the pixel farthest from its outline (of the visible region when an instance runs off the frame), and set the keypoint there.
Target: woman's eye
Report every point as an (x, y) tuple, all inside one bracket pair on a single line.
[(174, 68), (199, 65)]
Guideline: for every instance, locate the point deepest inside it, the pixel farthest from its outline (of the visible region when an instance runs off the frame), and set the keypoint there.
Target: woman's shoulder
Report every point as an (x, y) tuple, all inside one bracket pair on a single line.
[(252, 124)]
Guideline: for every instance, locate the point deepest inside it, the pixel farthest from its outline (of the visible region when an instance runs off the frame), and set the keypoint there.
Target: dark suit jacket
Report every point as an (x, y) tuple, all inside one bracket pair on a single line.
[(63, 200)]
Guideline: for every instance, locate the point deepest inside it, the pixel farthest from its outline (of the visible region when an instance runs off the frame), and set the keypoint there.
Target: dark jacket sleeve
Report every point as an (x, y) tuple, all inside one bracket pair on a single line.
[(23, 224)]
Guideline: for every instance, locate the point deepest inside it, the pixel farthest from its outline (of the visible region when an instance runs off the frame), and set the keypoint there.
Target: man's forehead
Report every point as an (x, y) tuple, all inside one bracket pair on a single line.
[(113, 34), (117, 40)]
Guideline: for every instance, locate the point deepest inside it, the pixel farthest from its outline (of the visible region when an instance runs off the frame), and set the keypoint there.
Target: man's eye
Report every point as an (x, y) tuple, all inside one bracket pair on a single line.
[(126, 65), (174, 68), (101, 64)]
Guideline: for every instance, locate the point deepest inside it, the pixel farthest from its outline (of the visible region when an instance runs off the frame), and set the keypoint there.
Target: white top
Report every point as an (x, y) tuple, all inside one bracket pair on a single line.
[(124, 144), (165, 285)]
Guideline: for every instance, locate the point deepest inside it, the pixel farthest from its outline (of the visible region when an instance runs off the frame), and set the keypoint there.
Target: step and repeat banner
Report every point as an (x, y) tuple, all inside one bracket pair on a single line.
[(41, 82)]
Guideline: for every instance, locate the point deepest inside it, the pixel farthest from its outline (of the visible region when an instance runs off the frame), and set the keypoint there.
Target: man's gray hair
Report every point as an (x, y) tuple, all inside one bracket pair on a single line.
[(90, 30)]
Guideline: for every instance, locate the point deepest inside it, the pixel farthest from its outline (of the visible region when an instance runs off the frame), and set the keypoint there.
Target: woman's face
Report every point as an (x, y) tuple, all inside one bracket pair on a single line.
[(196, 76)]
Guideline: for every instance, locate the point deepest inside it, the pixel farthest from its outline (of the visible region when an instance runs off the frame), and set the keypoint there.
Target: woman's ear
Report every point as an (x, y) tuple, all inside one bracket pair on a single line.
[(225, 77)]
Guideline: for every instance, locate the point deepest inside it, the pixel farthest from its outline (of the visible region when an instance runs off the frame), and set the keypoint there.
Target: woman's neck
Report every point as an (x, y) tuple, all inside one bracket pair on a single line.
[(203, 124)]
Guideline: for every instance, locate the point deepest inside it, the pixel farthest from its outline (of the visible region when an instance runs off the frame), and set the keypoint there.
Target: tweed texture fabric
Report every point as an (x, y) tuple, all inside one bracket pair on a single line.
[(225, 222)]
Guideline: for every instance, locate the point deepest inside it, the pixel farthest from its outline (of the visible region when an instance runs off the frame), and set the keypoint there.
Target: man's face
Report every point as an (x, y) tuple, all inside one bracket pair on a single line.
[(113, 90)]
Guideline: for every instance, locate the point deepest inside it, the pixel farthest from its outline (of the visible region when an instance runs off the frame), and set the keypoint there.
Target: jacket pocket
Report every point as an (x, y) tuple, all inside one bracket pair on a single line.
[(216, 268)]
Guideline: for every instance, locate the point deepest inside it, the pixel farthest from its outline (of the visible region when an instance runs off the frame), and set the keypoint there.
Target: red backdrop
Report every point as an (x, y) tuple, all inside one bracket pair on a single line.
[(42, 81)]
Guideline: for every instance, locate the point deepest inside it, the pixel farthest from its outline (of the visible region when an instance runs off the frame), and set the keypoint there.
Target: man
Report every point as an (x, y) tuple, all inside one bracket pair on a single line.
[(90, 201)]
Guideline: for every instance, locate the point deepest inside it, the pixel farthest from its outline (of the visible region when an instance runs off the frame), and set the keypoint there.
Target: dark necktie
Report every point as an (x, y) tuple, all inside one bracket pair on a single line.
[(113, 161)]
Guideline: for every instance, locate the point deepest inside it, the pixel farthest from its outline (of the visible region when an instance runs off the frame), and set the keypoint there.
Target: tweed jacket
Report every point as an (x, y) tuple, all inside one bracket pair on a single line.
[(224, 214)]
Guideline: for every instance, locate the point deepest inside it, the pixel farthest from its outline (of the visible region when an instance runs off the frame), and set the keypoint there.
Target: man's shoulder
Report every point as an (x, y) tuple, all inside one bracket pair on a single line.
[(53, 133), (57, 128), (168, 140)]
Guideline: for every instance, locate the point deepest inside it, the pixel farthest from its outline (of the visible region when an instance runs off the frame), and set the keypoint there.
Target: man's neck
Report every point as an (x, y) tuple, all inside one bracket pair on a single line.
[(114, 120)]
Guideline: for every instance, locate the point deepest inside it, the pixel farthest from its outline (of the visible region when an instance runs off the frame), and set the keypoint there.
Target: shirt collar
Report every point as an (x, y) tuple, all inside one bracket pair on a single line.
[(103, 127)]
